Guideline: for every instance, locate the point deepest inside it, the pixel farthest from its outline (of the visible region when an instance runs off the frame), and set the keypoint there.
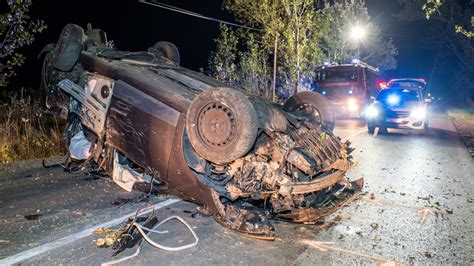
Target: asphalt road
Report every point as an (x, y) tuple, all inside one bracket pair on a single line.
[(417, 208)]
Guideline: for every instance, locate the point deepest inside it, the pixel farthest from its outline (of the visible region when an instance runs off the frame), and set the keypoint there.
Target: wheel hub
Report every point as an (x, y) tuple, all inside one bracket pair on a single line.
[(310, 111), (216, 125)]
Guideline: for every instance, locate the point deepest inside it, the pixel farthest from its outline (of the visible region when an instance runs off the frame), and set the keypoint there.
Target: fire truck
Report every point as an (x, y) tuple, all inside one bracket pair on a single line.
[(348, 86)]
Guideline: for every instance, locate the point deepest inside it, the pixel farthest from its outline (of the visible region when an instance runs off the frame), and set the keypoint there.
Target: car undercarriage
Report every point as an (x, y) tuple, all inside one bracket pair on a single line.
[(244, 159)]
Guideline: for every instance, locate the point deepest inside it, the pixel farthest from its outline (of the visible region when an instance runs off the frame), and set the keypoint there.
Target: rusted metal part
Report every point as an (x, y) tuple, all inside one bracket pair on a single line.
[(312, 214), (312, 186)]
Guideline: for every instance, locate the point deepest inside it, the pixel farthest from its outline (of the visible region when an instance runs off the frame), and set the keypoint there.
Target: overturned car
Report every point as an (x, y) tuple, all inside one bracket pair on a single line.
[(149, 123)]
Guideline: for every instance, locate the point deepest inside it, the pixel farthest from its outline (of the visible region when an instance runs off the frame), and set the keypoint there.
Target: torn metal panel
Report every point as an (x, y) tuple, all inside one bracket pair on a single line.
[(94, 97)]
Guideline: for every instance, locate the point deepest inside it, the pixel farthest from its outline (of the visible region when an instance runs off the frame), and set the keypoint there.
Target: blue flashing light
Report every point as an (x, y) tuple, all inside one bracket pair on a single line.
[(326, 64), (324, 92), (355, 61), (351, 91), (393, 99)]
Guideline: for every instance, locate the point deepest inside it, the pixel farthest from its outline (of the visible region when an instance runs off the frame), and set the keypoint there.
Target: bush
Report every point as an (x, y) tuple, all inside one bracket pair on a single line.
[(27, 133)]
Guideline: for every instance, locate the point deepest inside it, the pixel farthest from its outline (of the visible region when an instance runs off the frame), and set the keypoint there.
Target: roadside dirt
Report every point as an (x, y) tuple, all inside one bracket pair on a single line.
[(463, 120)]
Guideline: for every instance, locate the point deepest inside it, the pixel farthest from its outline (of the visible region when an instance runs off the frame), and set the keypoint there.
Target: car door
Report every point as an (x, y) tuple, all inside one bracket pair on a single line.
[(141, 127)]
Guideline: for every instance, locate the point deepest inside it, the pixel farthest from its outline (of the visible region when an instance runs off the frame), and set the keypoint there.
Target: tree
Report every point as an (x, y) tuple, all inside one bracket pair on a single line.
[(305, 32), (342, 17), (449, 21), (247, 68), (223, 62), (17, 29), (432, 7), (255, 73), (290, 23)]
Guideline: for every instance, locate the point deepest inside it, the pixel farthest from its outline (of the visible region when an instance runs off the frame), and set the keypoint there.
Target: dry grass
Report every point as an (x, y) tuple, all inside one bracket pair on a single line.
[(26, 133)]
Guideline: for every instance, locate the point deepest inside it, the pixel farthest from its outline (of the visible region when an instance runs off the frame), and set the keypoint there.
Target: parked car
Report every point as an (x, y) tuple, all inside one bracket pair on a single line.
[(400, 105), (147, 122)]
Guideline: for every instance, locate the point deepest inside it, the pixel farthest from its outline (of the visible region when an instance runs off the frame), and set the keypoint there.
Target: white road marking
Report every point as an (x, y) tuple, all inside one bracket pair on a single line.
[(355, 134), (84, 233)]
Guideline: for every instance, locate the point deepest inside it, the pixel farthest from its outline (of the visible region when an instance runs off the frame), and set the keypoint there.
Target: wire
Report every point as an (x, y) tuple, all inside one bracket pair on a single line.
[(142, 230), (194, 14), (151, 242)]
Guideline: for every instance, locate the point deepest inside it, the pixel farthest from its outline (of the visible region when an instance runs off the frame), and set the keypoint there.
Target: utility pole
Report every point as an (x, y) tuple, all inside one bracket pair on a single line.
[(297, 26), (358, 50), (274, 67)]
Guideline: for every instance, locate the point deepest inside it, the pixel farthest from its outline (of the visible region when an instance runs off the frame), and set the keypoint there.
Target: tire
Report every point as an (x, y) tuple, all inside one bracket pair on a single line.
[(166, 50), (426, 128), (222, 125), (313, 105), (68, 48), (371, 130)]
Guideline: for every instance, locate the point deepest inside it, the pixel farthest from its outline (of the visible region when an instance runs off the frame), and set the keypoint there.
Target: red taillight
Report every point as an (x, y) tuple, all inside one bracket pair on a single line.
[(382, 84)]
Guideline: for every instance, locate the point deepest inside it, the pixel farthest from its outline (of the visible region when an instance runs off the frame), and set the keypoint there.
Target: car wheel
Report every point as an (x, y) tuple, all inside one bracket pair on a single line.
[(222, 125), (371, 130), (313, 105), (68, 48), (426, 128), (166, 50)]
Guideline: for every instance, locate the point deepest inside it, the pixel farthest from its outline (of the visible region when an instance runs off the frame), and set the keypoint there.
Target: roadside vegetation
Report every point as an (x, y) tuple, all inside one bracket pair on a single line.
[(26, 133)]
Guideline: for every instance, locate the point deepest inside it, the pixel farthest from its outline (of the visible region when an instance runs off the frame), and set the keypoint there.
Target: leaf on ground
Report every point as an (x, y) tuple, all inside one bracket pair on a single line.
[(428, 254), (374, 225), (31, 217)]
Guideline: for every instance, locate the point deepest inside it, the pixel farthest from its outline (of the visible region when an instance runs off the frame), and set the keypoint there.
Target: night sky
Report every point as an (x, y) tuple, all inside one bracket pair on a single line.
[(136, 26)]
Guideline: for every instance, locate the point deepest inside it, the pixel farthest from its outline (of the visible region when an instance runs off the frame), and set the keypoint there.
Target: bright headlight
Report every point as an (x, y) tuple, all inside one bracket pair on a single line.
[(419, 113), (352, 105), (371, 112)]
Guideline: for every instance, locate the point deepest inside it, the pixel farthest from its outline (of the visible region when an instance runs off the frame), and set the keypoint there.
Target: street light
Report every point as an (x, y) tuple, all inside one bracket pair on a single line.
[(358, 34)]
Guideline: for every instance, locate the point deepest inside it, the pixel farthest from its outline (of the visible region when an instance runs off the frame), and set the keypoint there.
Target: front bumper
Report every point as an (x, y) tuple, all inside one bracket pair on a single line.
[(405, 123), (343, 109)]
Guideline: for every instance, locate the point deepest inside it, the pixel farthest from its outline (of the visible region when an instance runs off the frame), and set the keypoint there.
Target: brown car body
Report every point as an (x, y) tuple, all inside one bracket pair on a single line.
[(145, 113)]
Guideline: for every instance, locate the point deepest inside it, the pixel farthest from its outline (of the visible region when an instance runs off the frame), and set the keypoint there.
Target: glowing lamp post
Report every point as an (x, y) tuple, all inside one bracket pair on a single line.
[(358, 34)]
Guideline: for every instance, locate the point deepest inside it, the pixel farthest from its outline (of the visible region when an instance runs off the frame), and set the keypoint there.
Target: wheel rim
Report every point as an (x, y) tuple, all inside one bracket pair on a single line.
[(310, 111), (216, 126)]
